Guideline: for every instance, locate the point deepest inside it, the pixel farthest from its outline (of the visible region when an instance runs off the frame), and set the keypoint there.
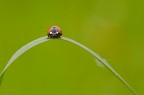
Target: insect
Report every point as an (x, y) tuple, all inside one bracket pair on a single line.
[(54, 32)]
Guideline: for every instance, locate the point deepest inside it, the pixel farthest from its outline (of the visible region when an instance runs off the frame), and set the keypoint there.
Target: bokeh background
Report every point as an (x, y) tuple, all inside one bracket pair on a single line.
[(112, 28)]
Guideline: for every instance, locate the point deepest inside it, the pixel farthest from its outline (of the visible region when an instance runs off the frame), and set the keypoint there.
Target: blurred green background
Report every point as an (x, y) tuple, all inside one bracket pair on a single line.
[(112, 28)]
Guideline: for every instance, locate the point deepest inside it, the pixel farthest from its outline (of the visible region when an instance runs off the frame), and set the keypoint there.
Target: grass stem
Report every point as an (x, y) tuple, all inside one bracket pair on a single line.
[(45, 38)]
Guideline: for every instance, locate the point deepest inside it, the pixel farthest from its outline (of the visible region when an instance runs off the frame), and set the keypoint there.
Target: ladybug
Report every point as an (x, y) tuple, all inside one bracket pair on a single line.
[(54, 32)]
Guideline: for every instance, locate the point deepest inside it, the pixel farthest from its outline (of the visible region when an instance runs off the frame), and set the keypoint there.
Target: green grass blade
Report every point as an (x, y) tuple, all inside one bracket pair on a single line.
[(43, 39), (105, 63), (22, 50), (1, 79)]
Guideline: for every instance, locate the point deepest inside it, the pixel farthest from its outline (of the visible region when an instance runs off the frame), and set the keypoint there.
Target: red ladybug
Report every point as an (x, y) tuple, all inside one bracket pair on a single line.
[(54, 32)]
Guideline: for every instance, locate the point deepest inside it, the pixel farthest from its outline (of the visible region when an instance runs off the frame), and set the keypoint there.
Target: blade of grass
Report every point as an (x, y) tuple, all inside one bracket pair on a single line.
[(22, 50), (43, 39), (1, 79), (105, 63)]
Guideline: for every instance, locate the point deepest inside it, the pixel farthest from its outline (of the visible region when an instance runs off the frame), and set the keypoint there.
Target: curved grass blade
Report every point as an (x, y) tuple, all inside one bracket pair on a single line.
[(22, 50), (43, 39), (105, 63), (1, 79)]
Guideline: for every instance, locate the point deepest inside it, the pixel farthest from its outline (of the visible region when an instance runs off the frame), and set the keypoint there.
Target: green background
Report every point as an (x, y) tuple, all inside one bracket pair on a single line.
[(112, 28)]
